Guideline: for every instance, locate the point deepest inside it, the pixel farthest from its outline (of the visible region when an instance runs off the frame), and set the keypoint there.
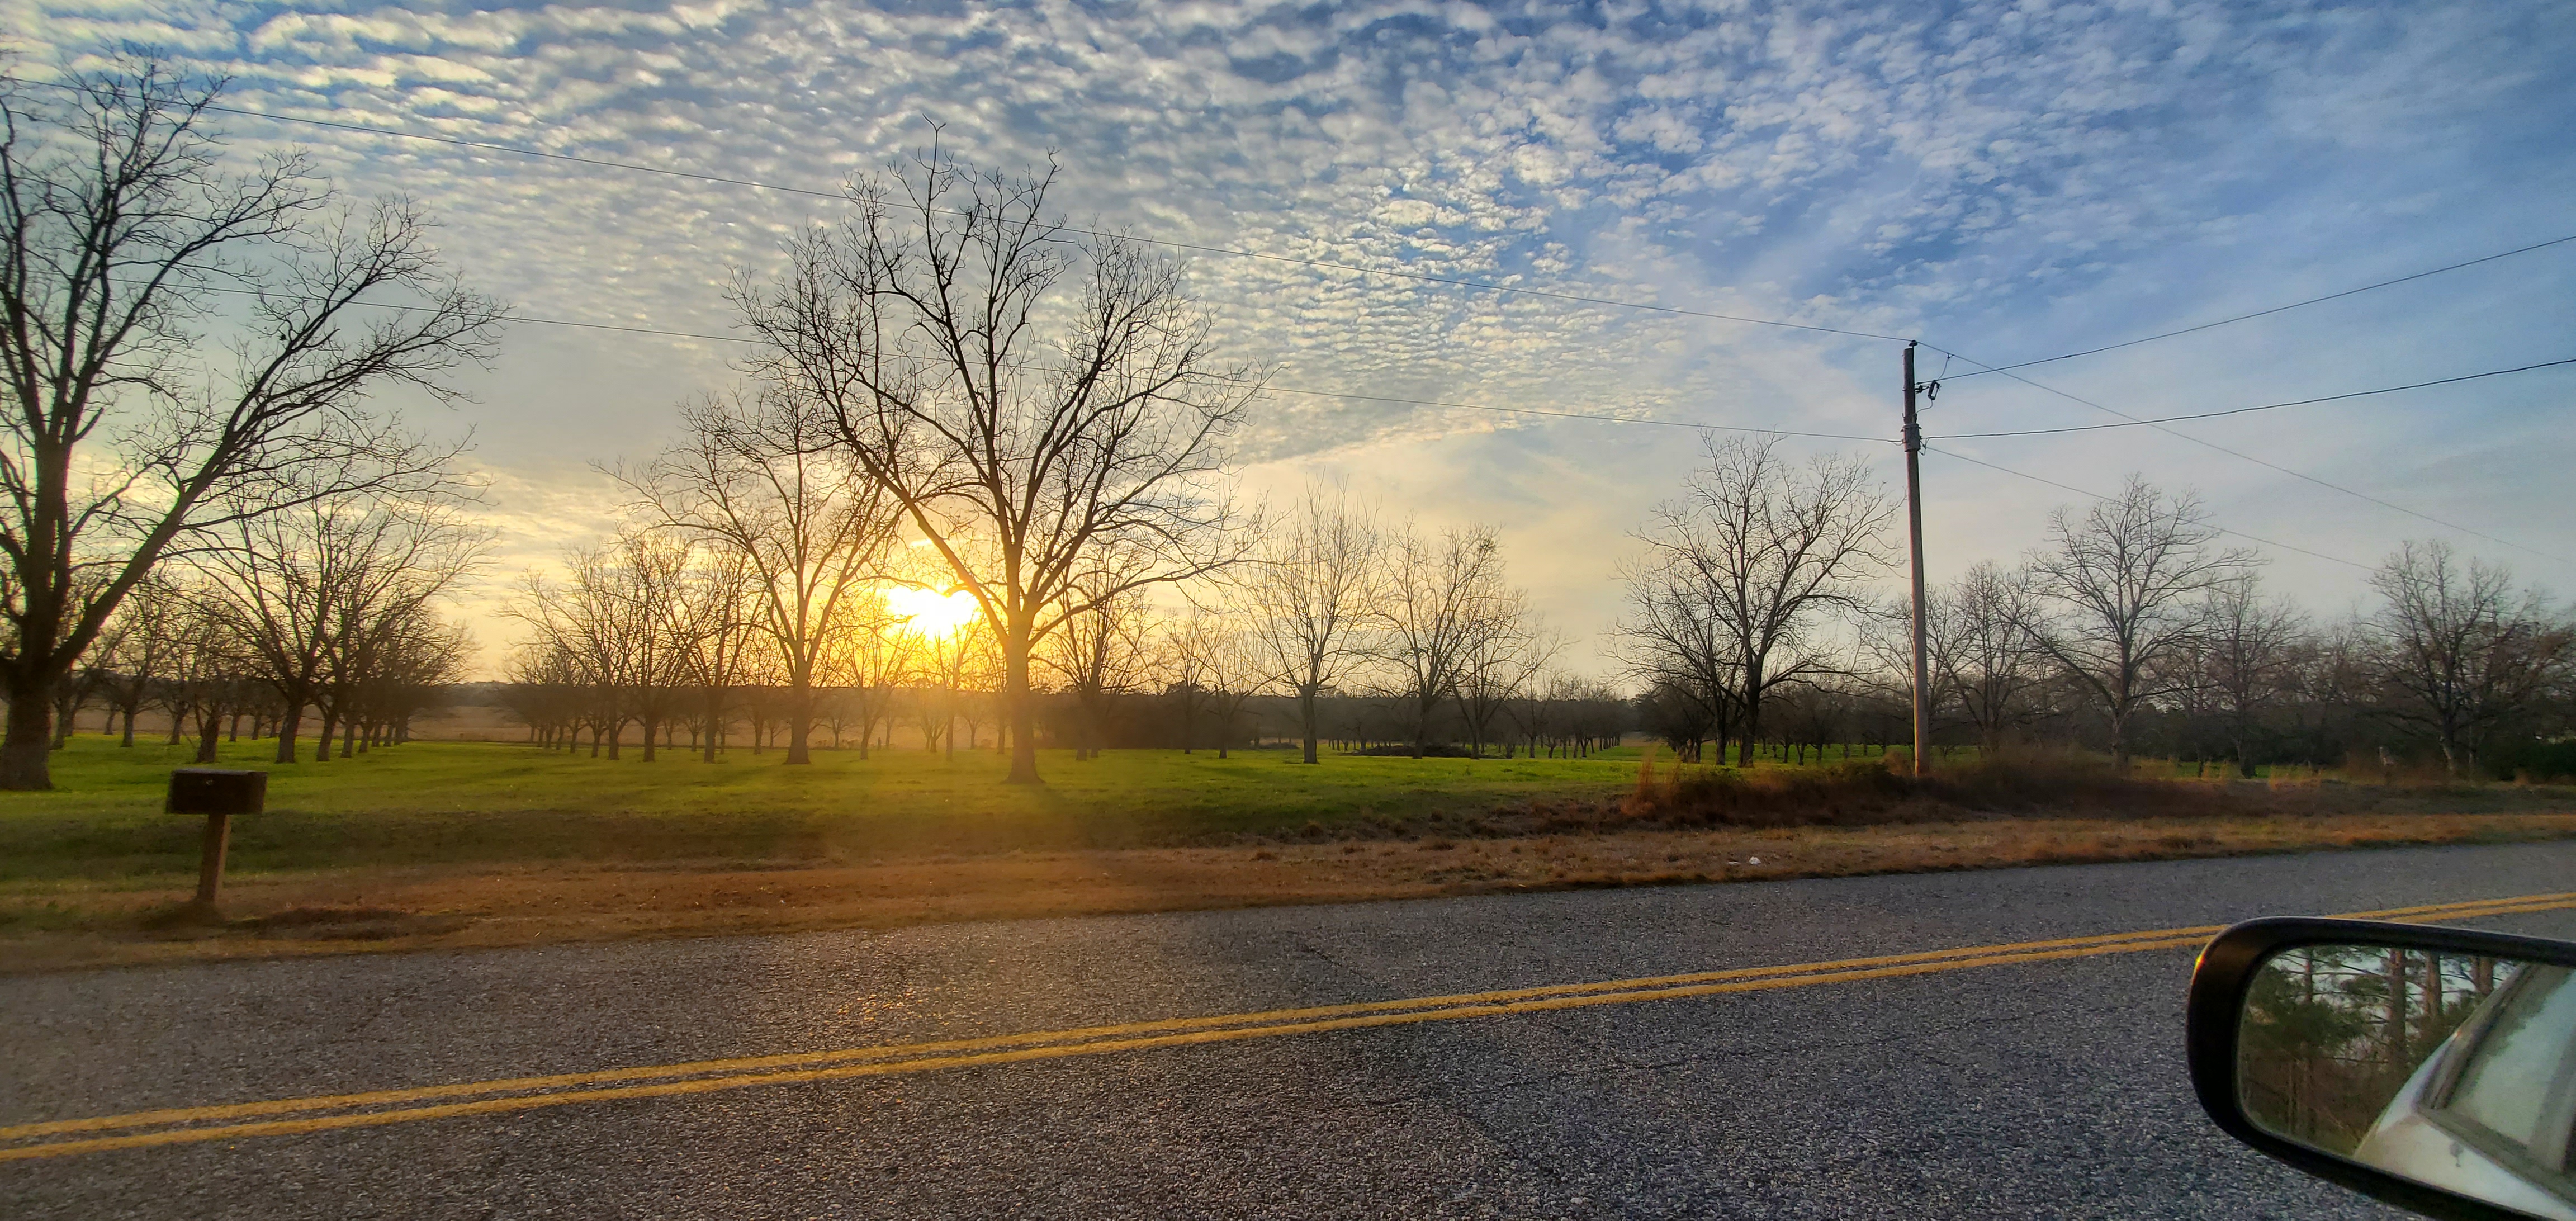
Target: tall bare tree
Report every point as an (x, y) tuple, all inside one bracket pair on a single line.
[(1444, 596), (1105, 651), (313, 593), (759, 475), (1985, 662), (2249, 656), (2463, 652), (1676, 645), (1506, 657), (2128, 577), (713, 614), (1312, 594), (122, 237), (1765, 551), (138, 657), (1231, 666), (1039, 399)]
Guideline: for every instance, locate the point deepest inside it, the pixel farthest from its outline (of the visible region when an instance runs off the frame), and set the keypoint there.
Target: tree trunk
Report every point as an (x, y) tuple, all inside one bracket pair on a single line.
[(210, 724), (1307, 715), (287, 724), (800, 721), (130, 708), (66, 711), (26, 751), (649, 726), (1022, 717)]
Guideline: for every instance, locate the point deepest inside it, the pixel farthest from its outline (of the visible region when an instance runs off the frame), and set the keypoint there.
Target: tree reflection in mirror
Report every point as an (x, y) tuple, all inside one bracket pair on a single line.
[(2456, 1071)]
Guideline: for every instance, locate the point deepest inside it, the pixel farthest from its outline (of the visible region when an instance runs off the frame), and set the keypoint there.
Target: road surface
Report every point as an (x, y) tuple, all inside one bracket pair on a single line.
[(1434, 1058)]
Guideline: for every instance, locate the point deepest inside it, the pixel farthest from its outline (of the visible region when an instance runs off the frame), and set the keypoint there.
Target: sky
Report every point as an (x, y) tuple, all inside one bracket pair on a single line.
[(2003, 181)]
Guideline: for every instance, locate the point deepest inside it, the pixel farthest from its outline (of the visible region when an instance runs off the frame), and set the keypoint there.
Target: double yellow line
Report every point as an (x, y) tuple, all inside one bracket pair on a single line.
[(291, 1116)]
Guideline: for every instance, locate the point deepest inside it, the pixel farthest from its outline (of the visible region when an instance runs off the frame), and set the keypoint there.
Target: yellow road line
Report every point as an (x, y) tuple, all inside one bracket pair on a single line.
[(712, 1075)]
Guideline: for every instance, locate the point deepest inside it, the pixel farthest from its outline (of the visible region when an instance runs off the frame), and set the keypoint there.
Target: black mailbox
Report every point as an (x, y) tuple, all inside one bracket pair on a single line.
[(215, 790)]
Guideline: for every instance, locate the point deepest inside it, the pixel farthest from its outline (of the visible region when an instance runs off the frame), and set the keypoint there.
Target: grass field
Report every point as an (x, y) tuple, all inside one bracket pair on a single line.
[(463, 802), (463, 844)]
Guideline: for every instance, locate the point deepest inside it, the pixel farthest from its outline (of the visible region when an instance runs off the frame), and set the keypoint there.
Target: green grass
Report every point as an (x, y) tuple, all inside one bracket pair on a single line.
[(434, 803)]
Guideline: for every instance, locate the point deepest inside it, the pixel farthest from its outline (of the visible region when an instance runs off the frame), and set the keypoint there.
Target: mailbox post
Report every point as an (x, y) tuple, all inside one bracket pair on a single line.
[(218, 794)]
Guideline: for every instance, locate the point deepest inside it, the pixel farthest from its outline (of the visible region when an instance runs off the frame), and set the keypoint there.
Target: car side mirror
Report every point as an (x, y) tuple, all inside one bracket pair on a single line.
[(2432, 1068)]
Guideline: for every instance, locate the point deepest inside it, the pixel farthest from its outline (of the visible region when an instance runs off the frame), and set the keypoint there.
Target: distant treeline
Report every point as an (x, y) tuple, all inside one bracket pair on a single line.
[(1178, 717)]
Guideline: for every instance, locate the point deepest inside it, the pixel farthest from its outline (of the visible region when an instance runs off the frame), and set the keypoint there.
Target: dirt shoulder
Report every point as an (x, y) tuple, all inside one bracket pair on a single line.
[(55, 926)]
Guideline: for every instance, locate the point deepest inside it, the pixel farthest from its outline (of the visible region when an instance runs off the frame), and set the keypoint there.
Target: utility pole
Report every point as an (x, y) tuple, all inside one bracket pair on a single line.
[(1914, 538)]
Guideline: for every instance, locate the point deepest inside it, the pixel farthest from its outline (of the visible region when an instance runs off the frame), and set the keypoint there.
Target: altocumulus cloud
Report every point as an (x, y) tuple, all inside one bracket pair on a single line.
[(2006, 179)]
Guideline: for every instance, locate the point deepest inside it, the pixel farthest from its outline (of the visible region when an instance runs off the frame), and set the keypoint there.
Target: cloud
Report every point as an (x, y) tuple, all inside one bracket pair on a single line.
[(2003, 178)]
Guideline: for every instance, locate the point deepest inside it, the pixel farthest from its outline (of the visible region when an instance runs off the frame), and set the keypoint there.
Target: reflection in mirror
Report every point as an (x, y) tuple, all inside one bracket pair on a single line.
[(2455, 1071)]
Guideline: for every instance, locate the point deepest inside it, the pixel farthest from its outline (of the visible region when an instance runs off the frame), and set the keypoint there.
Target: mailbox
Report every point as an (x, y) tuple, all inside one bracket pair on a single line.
[(218, 794), (215, 790)]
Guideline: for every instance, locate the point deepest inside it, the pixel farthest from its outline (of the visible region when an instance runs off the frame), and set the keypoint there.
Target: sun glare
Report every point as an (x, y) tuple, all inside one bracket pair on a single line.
[(932, 613)]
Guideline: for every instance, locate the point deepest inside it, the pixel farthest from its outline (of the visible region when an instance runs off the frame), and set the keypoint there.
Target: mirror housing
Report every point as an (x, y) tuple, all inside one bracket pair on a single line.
[(2214, 1025)]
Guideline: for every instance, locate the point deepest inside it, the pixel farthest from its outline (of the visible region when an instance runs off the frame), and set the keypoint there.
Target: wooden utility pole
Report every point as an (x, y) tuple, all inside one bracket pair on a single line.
[(1914, 539)]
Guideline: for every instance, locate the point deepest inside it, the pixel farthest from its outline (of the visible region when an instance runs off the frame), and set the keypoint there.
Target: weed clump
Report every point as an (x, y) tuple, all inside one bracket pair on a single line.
[(1869, 793)]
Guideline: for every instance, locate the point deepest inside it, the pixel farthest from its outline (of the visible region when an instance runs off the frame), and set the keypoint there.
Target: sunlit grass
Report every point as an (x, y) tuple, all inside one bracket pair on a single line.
[(447, 802)]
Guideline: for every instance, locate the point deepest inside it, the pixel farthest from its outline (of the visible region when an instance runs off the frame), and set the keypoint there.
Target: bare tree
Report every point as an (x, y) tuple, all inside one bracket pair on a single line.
[(2128, 578), (1509, 652), (1038, 399), (1232, 667), (2249, 657), (313, 595), (1984, 658), (1440, 608), (121, 235), (207, 675), (712, 617), (1187, 640), (2461, 652), (873, 656), (381, 619), (1763, 551), (948, 666), (756, 476), (1677, 646), (138, 649), (1106, 651), (601, 624), (1312, 594)]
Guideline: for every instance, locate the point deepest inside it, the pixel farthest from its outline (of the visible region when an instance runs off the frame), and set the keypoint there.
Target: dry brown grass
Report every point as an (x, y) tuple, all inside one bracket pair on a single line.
[(62, 925)]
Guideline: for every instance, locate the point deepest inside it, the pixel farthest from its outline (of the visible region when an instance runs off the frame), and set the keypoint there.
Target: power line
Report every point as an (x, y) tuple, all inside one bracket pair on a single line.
[(2236, 453), (2212, 415), (2261, 313), (2067, 487), (1323, 264)]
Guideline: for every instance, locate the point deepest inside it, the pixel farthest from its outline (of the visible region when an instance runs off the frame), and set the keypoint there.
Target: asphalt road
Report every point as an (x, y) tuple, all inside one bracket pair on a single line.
[(2040, 1088)]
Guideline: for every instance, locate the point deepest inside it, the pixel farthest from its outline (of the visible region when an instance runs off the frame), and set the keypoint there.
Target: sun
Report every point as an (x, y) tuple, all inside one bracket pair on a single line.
[(932, 613)]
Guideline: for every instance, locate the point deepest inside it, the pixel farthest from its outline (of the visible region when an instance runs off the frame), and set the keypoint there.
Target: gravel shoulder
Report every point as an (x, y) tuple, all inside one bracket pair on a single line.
[(58, 925)]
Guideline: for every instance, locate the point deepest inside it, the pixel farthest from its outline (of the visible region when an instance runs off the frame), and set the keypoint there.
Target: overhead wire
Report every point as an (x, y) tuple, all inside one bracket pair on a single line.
[(2212, 415), (2263, 313), (2240, 454), (2068, 487)]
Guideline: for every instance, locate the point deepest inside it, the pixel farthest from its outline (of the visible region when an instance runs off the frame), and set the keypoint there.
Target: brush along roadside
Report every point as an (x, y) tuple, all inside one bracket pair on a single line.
[(62, 925)]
